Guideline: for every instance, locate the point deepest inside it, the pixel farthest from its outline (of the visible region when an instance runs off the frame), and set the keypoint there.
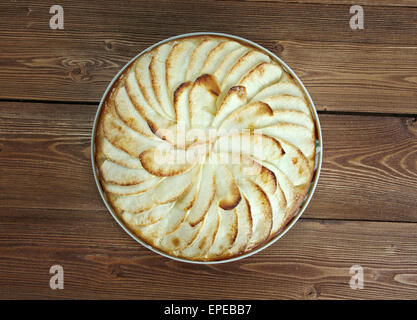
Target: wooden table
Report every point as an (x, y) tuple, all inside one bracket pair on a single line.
[(364, 211)]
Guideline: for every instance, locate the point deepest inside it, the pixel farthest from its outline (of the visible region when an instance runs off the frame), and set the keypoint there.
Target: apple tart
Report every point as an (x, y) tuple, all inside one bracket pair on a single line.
[(205, 147)]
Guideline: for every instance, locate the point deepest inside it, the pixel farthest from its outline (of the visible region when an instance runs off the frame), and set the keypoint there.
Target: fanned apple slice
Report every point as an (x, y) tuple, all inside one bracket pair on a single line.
[(234, 99), (173, 222), (295, 134), (116, 155), (205, 196), (198, 57), (226, 233), (204, 240), (177, 63), (246, 63), (158, 77), (267, 181), (286, 102), (228, 62), (168, 190), (128, 113), (261, 212), (123, 137), (217, 55), (259, 77), (116, 174), (153, 233), (227, 191), (264, 177), (132, 189), (258, 146), (251, 116), (152, 117), (144, 80), (295, 117), (294, 164), (244, 228), (202, 101), (181, 107), (165, 161), (282, 87), (284, 183), (149, 217)]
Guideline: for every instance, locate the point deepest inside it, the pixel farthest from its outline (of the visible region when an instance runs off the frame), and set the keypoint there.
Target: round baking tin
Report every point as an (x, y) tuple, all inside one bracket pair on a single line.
[(318, 158)]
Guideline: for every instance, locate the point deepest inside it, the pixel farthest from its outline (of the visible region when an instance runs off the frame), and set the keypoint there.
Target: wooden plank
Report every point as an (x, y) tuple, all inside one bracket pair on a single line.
[(264, 20), (355, 77), (400, 3), (312, 261), (369, 170), (353, 72), (340, 77)]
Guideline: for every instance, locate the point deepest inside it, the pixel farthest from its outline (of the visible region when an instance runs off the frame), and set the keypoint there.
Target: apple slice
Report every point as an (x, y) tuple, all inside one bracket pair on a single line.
[(251, 116), (205, 196), (116, 174), (165, 161), (217, 56), (131, 189), (198, 58), (228, 62), (258, 146), (244, 228), (116, 155), (181, 107), (152, 117), (144, 80), (294, 164), (204, 240), (286, 102), (234, 99), (202, 101), (148, 217), (122, 136), (297, 135), (128, 113), (168, 190), (246, 63), (295, 117), (259, 77), (226, 234), (282, 87), (261, 212), (227, 191), (177, 64), (157, 70)]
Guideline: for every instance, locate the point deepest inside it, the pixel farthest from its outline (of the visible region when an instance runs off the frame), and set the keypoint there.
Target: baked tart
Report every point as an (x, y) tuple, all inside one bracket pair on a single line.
[(205, 147)]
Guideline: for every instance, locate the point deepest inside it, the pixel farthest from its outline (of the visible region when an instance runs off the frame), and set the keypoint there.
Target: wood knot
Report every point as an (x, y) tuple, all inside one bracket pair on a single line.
[(278, 48), (108, 45), (79, 71), (115, 271), (313, 292), (411, 125)]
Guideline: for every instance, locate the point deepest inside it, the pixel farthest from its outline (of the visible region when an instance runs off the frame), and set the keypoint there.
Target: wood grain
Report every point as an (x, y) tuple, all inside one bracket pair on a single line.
[(45, 163), (100, 261), (345, 70)]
